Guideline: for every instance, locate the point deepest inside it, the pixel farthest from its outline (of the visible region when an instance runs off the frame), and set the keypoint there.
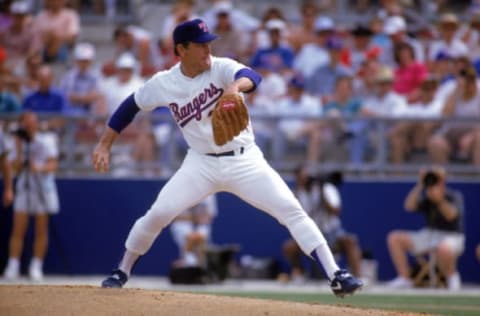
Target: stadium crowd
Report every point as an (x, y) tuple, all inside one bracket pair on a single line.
[(395, 65)]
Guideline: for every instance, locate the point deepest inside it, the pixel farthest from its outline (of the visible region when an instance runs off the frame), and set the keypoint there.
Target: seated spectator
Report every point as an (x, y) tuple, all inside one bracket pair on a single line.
[(181, 11), (232, 42), (361, 43), (136, 41), (20, 40), (305, 32), (409, 73), (412, 136), (314, 55), (298, 103), (45, 98), (264, 101), (138, 136), (58, 28), (276, 57), (443, 234), (261, 37), (29, 82), (9, 102), (448, 42), (396, 28), (323, 79), (321, 199), (345, 106), (459, 140), (191, 232), (240, 19), (80, 84)]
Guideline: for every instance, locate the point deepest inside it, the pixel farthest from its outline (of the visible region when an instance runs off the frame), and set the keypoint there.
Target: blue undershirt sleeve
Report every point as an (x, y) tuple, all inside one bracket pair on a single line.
[(124, 114), (250, 74)]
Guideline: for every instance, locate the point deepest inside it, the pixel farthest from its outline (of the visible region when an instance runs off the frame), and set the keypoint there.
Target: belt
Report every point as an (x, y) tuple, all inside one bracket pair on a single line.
[(227, 153)]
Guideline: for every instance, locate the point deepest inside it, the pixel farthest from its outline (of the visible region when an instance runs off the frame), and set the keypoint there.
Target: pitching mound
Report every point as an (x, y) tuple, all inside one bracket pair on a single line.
[(23, 300)]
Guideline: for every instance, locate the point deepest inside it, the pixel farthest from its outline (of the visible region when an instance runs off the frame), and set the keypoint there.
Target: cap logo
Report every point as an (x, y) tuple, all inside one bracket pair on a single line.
[(203, 26)]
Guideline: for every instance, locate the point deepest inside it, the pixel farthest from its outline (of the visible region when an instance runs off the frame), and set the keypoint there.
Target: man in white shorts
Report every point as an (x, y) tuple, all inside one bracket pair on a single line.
[(443, 210)]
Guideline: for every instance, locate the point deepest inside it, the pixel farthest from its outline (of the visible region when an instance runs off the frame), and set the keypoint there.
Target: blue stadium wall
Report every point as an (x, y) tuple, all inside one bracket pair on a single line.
[(87, 236)]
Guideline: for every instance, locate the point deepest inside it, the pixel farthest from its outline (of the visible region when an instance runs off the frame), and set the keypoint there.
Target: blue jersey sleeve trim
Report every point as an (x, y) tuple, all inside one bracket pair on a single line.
[(250, 74), (124, 114)]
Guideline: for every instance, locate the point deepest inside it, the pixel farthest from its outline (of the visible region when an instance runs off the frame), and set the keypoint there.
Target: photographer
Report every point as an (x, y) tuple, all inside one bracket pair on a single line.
[(443, 210), (35, 161), (321, 199)]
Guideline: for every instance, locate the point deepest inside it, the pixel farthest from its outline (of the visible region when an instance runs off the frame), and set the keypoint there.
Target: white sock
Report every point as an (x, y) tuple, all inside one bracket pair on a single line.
[(36, 263), (13, 263), (190, 259), (324, 255), (128, 261)]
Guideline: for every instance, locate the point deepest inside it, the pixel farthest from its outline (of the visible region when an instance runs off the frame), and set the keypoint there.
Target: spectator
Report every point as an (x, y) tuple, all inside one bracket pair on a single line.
[(45, 98), (277, 57), (344, 105), (136, 41), (80, 84), (306, 31), (411, 137), (448, 42), (443, 234), (323, 79), (261, 38), (29, 82), (409, 73), (298, 103), (58, 28), (396, 29), (138, 136), (20, 40), (35, 160), (232, 42), (181, 11), (8, 101), (7, 196), (321, 199), (240, 20), (313, 55), (191, 232), (361, 42), (461, 139)]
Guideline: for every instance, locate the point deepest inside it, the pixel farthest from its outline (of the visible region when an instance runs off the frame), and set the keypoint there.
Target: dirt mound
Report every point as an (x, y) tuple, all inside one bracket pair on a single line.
[(23, 300)]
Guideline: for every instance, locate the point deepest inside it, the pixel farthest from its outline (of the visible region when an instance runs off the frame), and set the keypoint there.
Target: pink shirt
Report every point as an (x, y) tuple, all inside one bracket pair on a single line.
[(66, 22), (408, 78)]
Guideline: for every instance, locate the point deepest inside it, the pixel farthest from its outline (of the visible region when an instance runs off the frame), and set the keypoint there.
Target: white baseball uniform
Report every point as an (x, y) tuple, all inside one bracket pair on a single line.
[(245, 174)]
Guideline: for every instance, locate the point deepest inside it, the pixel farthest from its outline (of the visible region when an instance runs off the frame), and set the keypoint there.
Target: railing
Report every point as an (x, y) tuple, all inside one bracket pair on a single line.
[(284, 155)]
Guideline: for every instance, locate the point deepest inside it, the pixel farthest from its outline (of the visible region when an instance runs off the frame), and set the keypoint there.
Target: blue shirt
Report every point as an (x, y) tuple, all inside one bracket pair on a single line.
[(50, 101), (78, 83), (350, 108), (324, 78), (9, 103), (273, 58)]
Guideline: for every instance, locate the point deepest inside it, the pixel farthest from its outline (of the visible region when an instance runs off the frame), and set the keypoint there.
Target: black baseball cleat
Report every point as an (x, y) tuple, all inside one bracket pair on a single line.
[(344, 283), (116, 280)]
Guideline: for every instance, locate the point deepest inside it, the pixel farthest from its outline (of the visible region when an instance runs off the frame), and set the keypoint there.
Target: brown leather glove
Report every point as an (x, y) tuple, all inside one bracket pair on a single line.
[(229, 118)]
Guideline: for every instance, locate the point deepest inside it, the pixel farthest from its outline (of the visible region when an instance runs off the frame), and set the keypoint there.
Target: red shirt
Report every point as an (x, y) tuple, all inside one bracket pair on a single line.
[(409, 78)]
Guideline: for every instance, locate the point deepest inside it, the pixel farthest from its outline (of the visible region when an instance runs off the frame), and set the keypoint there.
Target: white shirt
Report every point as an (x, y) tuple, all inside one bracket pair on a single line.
[(390, 105), (307, 105), (310, 57), (191, 101), (115, 91)]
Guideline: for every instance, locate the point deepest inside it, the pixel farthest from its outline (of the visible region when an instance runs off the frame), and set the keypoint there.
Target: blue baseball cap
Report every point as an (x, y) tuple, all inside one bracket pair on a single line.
[(195, 31)]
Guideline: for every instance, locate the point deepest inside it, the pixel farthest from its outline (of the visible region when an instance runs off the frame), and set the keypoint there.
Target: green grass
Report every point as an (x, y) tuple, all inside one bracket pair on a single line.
[(436, 305)]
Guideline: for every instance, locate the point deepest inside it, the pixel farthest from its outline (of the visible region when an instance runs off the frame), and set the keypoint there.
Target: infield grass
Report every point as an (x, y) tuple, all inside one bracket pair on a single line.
[(436, 305)]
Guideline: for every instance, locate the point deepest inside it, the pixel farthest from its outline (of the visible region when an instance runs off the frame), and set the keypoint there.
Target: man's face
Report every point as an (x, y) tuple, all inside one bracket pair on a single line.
[(197, 55)]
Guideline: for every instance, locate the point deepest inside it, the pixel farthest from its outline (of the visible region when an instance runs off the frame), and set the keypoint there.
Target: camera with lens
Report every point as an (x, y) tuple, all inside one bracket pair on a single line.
[(430, 179), (22, 134)]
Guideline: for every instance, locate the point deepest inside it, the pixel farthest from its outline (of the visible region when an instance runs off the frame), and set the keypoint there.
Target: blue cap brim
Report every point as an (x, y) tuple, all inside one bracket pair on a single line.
[(205, 38)]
